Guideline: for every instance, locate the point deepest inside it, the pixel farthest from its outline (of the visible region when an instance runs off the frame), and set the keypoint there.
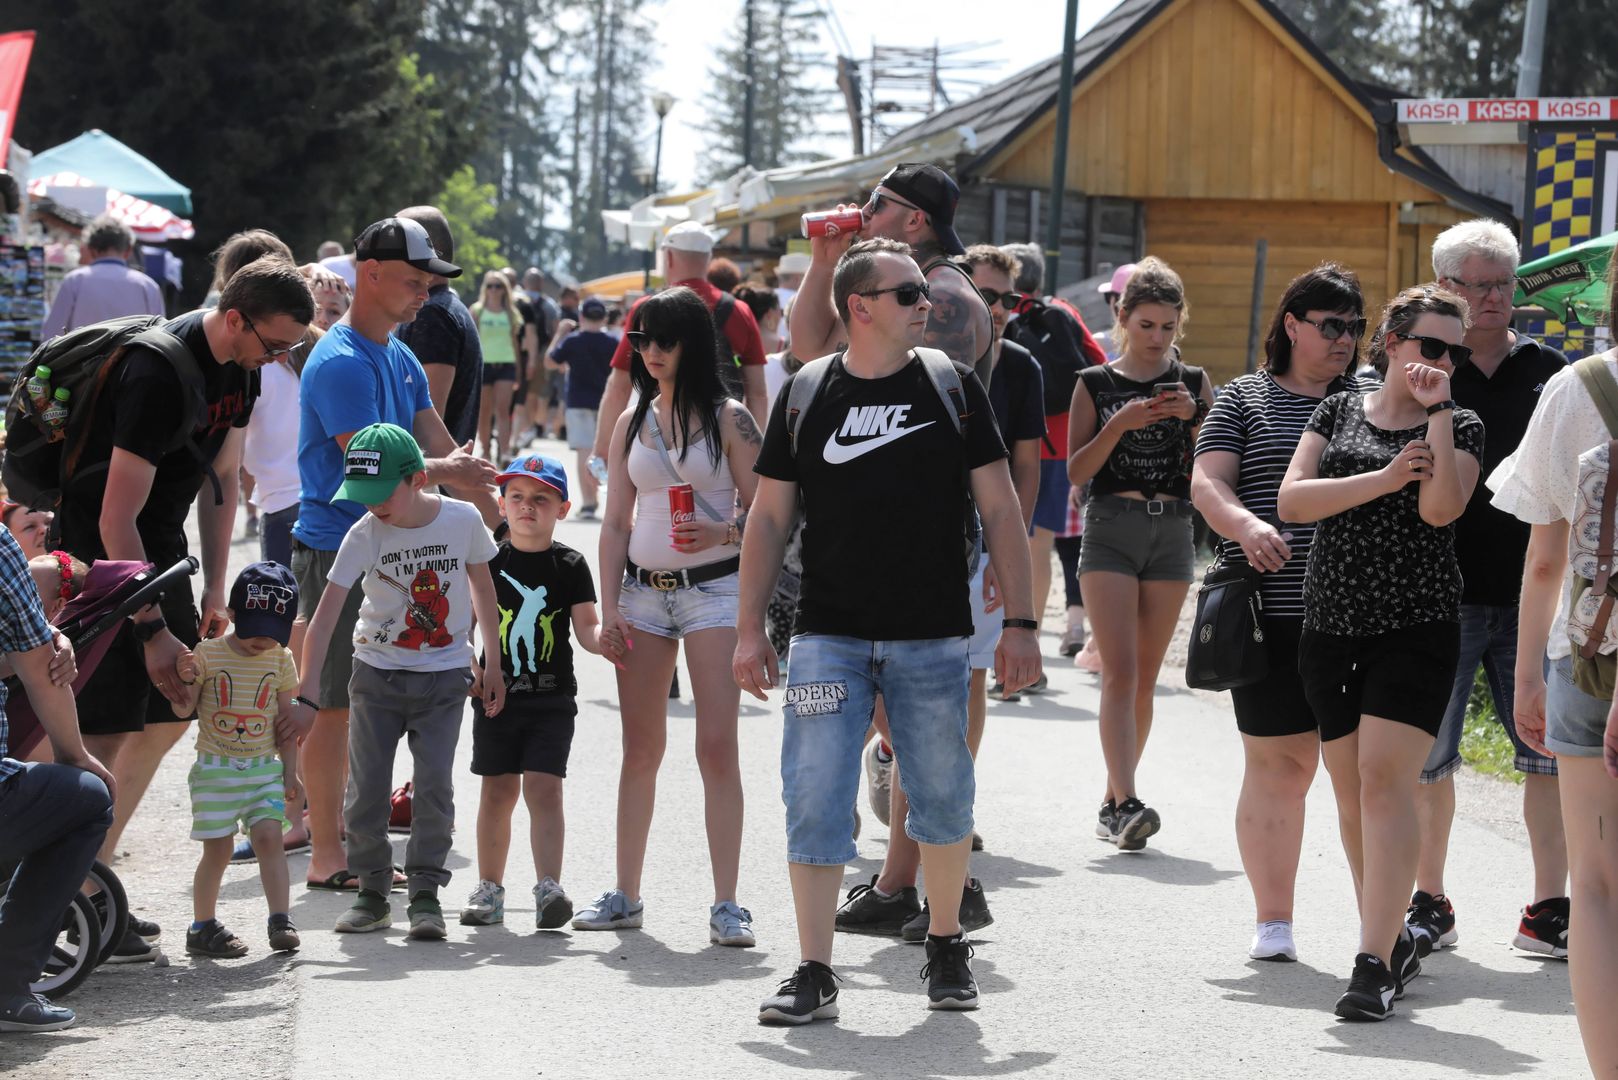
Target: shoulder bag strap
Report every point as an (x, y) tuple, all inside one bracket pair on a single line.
[(806, 383), (668, 464), (1603, 389)]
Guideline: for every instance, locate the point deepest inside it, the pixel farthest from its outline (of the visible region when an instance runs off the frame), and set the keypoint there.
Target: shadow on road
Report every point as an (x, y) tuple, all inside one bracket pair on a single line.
[(1403, 1040), (1150, 865), (388, 955), (646, 961), (940, 1046)]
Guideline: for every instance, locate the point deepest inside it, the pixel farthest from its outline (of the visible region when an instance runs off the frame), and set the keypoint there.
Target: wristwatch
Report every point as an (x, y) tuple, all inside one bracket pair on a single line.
[(733, 535), (146, 631), (1441, 406)]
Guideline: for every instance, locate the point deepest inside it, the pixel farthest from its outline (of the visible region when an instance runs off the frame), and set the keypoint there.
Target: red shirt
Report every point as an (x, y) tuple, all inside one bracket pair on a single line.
[(741, 329)]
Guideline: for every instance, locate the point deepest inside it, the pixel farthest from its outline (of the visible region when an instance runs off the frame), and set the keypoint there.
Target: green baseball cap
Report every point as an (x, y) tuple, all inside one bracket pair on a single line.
[(377, 458)]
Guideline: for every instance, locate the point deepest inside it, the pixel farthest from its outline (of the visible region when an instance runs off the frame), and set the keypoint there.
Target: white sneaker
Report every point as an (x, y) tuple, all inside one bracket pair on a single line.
[(878, 781), (731, 924), (610, 911), (552, 908), (486, 906), (1273, 941)]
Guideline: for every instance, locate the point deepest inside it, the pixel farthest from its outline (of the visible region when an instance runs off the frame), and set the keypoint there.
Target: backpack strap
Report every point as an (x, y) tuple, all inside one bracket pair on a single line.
[(721, 311), (805, 388), (668, 464), (946, 381), (1603, 389), (180, 357), (1609, 511)]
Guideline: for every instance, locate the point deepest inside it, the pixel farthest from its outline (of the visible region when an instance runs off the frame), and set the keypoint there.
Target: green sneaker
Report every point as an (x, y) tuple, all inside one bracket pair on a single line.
[(426, 917), (370, 912)]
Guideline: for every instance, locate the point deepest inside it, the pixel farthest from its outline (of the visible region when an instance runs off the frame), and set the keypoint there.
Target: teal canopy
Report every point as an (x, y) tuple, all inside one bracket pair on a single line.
[(1571, 284), (99, 157)]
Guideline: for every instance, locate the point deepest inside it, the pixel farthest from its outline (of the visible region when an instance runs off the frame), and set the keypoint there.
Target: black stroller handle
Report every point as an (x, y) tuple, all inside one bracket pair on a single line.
[(149, 593)]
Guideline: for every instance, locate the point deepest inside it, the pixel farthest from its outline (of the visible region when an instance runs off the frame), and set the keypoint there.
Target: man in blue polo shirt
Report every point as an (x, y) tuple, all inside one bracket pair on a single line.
[(360, 374)]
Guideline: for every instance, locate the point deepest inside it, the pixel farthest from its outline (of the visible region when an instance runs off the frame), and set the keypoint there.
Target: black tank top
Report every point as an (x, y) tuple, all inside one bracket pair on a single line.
[(983, 364), (1155, 460)]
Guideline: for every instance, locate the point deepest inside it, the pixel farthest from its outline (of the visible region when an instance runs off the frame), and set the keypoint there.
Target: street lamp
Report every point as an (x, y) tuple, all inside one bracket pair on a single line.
[(661, 104)]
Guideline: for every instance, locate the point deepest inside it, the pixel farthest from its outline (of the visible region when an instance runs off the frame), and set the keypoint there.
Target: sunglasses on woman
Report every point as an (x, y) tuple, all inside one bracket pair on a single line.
[(638, 340), (1007, 300), (1332, 327), (907, 294), (1433, 348)]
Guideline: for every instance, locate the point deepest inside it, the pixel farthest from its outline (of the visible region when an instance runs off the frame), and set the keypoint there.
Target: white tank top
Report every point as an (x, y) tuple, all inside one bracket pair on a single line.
[(649, 546)]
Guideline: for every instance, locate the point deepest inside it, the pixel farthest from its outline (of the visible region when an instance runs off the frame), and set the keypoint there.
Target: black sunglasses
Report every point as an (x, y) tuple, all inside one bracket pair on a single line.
[(1007, 300), (878, 197), (638, 340), (1332, 328), (906, 294), (1433, 348)]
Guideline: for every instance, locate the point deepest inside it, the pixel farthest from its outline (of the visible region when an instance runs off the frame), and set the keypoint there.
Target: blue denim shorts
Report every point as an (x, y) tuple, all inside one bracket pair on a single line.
[(831, 693), (1488, 637), (678, 612), (1575, 722), (985, 625)]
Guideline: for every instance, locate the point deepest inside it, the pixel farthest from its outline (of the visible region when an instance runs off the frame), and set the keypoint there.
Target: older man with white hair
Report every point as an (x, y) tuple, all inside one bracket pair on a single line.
[(1502, 383)]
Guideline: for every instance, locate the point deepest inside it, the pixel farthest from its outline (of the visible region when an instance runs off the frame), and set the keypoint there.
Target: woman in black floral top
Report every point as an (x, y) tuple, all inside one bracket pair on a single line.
[(1386, 474)]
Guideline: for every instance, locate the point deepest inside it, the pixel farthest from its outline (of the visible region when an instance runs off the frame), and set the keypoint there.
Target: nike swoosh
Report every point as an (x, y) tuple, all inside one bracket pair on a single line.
[(837, 453), (826, 999)]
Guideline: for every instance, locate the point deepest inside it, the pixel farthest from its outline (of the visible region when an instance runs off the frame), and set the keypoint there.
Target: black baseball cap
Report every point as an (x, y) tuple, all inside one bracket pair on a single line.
[(593, 309), (397, 239), (264, 601), (931, 190)]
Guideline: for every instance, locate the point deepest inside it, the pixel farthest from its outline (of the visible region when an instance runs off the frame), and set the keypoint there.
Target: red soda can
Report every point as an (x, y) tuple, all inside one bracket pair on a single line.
[(682, 504), (818, 222)]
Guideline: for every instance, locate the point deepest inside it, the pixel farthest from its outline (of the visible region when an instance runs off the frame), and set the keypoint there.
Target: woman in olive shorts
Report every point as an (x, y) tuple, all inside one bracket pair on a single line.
[(1130, 435), (1242, 455)]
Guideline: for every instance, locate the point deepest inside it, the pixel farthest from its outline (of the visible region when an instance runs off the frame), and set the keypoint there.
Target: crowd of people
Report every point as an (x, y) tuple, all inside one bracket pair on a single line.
[(763, 448)]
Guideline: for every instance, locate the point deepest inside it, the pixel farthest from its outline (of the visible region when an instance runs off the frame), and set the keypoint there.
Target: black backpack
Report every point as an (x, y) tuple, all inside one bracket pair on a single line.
[(729, 364), (86, 362), (1051, 336)]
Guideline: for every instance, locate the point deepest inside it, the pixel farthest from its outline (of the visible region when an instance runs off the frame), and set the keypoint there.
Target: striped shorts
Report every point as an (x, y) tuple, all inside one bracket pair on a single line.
[(227, 791)]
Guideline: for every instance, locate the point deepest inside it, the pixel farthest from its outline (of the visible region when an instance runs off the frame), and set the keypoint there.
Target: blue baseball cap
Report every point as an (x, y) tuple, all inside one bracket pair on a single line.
[(264, 601), (547, 471)]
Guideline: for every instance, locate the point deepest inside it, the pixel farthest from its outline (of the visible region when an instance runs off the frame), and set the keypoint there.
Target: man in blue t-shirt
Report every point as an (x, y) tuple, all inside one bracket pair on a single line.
[(586, 355), (360, 374)]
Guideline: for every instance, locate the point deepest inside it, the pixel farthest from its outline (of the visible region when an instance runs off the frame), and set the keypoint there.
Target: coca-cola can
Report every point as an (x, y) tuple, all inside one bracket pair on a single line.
[(820, 222), (682, 504)]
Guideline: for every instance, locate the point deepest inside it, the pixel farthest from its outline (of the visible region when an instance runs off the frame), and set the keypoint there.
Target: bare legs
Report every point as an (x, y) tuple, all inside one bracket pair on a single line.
[(546, 830), (1270, 814), (1541, 812), (1590, 815)]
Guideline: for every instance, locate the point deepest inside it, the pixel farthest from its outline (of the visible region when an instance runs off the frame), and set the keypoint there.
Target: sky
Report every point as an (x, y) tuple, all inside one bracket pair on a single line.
[(687, 44)]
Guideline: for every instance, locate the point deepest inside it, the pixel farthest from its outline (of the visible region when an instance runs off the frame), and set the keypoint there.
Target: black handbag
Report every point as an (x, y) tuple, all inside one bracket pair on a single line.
[(1227, 636)]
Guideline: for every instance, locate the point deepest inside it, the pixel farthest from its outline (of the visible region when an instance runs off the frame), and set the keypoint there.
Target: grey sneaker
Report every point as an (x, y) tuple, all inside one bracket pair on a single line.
[(426, 917), (552, 908), (1104, 821), (731, 924), (486, 906), (974, 914), (1135, 821), (867, 911), (610, 911), (370, 912), (878, 781)]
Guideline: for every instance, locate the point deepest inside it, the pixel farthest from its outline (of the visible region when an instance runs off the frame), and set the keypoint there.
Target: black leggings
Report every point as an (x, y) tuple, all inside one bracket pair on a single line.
[(1067, 549)]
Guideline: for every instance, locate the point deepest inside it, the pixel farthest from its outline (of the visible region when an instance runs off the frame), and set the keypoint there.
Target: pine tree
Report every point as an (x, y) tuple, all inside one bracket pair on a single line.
[(1361, 36)]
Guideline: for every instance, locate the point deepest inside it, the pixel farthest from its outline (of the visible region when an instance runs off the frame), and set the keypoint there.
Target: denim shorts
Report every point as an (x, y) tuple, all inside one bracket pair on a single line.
[(1575, 722), (985, 625), (831, 693), (1488, 637), (678, 612), (1121, 536)]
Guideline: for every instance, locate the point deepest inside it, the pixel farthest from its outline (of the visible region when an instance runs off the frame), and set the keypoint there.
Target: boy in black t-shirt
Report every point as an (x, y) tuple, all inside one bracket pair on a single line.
[(526, 746)]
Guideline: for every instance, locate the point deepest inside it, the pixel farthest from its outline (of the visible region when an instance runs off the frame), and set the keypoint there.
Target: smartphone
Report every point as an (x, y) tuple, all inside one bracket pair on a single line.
[(1168, 388)]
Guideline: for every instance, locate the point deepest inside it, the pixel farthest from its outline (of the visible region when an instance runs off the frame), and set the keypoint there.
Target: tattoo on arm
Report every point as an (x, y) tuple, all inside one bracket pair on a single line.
[(747, 427), (951, 325)]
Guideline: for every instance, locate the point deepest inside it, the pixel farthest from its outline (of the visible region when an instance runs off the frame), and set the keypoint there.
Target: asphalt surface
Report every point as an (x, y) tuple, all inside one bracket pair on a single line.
[(1099, 963)]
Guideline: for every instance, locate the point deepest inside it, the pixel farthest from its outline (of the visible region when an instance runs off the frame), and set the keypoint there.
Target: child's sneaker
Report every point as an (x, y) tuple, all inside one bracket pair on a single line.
[(283, 935), (486, 906), (731, 924), (426, 917), (370, 912), (610, 911), (212, 939), (552, 908)]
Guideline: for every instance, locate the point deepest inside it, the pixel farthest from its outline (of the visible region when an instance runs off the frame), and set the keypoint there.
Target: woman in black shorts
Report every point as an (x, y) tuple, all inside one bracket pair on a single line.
[(1386, 474), (1130, 434), (1243, 452)]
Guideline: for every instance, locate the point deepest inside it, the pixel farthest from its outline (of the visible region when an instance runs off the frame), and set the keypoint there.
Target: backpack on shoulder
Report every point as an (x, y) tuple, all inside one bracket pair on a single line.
[(85, 362), (725, 358), (1592, 546)]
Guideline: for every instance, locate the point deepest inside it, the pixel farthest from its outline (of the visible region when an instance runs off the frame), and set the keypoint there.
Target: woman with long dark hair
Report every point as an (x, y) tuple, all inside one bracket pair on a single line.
[(1242, 455), (667, 579)]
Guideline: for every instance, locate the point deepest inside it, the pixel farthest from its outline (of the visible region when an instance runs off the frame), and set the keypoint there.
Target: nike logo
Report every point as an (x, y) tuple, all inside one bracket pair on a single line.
[(837, 453), (826, 999)]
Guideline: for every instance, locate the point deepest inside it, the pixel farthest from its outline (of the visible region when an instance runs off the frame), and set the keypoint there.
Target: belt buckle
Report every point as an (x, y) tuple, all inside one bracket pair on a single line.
[(1156, 507), (663, 580)]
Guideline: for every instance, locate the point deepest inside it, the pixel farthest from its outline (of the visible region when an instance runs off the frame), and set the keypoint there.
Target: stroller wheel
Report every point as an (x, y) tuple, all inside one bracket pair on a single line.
[(75, 952), (106, 892)]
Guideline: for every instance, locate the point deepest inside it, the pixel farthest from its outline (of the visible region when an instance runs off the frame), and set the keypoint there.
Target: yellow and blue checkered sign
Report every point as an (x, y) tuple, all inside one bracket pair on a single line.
[(1563, 214)]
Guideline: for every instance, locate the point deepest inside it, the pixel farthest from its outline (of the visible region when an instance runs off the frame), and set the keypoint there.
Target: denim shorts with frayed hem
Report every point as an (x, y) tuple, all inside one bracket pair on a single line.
[(677, 612), (831, 693), (1575, 722)]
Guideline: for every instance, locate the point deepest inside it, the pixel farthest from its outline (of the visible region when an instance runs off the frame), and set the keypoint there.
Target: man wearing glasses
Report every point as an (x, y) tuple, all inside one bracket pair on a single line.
[(879, 461), (1501, 382), (129, 499)]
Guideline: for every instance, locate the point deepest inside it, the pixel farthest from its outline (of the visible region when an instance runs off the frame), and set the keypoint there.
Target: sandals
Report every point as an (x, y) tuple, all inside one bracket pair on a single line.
[(215, 941), (345, 881)]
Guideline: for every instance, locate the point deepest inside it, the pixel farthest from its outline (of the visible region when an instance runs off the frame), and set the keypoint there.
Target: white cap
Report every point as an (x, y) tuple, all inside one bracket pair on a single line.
[(689, 236), (793, 262)]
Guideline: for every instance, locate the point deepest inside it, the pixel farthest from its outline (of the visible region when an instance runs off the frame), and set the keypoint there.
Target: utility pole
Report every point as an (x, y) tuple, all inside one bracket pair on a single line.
[(1064, 116), (748, 89), (1532, 62)]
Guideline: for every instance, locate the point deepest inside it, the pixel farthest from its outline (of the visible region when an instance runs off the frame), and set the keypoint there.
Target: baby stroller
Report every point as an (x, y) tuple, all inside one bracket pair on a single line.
[(97, 919)]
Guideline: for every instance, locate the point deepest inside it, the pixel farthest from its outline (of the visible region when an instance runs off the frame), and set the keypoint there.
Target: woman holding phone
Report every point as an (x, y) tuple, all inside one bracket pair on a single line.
[(1130, 436)]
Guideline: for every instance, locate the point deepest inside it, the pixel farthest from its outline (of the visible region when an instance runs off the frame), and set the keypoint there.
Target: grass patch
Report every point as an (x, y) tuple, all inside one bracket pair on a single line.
[(1484, 745)]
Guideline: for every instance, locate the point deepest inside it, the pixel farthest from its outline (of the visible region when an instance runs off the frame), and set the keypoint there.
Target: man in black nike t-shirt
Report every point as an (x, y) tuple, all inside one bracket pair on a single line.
[(884, 474)]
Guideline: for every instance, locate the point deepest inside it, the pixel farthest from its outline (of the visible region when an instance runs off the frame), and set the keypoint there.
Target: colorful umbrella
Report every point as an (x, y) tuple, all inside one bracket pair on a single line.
[(149, 222), (1571, 284)]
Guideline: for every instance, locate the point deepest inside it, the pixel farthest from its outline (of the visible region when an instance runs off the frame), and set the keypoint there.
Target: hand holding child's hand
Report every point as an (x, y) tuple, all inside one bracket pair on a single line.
[(615, 639), (494, 696), (476, 690), (187, 667)]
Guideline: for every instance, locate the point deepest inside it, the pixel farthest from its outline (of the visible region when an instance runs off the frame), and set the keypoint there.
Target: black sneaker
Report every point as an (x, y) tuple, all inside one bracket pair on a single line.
[(1408, 951), (1370, 993), (1133, 822), (974, 914), (145, 929), (868, 912), (1543, 928), (949, 974), (1104, 818), (1432, 917), (132, 950), (34, 1012), (809, 994)]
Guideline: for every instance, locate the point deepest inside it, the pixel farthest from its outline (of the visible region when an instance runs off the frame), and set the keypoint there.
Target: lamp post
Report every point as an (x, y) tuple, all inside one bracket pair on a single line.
[(661, 104)]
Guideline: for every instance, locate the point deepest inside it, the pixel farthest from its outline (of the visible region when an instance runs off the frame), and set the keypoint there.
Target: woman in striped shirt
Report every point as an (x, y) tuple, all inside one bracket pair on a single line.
[(1242, 454)]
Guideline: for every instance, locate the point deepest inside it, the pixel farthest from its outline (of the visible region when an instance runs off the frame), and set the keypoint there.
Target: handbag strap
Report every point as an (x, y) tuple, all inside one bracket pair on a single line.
[(1609, 510), (663, 456), (1603, 389)]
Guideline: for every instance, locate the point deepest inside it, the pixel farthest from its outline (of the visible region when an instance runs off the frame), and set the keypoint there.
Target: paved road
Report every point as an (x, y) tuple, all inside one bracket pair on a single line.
[(1099, 963)]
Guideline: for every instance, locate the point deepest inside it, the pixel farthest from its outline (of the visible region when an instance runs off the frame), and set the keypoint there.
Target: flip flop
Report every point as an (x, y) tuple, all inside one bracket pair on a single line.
[(342, 881)]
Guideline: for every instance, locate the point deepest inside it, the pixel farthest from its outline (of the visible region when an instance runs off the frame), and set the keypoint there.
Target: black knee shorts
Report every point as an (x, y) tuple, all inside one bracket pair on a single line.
[(523, 738), (1403, 675), (1277, 705), (119, 696)]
